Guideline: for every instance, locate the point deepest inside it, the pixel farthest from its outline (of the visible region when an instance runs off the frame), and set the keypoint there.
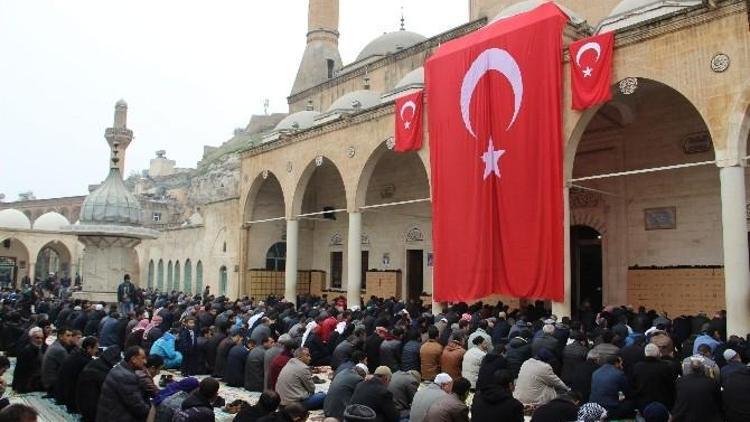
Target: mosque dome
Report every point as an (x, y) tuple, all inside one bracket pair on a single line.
[(111, 203), (389, 43), (51, 221), (361, 99), (13, 219), (526, 5), (631, 12), (297, 121), (415, 77)]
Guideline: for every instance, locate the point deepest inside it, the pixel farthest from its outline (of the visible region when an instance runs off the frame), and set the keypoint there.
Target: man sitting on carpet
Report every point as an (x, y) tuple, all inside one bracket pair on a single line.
[(295, 383)]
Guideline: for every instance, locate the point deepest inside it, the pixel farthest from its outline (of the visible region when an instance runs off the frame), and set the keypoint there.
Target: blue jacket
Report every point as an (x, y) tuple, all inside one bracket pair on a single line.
[(606, 384), (109, 336), (410, 356), (705, 339), (165, 346)]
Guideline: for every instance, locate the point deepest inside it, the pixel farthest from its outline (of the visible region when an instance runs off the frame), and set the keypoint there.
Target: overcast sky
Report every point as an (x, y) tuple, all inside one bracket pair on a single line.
[(191, 72)]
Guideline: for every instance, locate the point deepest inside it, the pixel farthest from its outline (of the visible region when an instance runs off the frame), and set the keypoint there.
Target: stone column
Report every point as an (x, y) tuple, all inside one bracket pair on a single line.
[(292, 253), (734, 239), (562, 309), (31, 272), (354, 260)]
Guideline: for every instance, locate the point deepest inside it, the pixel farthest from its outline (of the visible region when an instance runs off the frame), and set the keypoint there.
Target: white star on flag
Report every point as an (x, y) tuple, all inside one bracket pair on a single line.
[(491, 160), (587, 72), (407, 124)]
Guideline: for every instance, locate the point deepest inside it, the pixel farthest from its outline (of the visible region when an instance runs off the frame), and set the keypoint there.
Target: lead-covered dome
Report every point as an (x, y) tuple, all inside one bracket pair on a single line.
[(13, 219), (389, 43), (631, 12), (51, 221), (527, 5), (111, 203), (413, 78), (297, 121), (355, 100)]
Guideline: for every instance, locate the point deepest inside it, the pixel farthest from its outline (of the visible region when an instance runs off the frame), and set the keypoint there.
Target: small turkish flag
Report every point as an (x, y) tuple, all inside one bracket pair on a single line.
[(591, 70), (409, 122)]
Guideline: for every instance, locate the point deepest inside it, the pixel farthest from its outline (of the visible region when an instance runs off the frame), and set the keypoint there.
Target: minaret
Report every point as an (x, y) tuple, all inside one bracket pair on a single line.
[(321, 58), (119, 136)]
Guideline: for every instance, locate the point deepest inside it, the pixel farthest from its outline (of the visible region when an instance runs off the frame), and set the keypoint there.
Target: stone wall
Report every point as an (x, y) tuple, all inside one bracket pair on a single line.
[(202, 243)]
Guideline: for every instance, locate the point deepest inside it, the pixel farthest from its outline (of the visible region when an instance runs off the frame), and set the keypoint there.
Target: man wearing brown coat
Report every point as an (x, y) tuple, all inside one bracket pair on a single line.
[(452, 358), (429, 355)]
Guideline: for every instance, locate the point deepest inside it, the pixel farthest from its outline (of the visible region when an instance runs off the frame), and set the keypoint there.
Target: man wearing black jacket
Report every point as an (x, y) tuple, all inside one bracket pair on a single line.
[(495, 401), (374, 394), (90, 382), (71, 368), (653, 379)]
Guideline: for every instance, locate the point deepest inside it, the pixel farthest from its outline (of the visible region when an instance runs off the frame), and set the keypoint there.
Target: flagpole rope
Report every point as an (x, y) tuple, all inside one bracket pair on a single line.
[(392, 204), (312, 214), (592, 189), (642, 171), (266, 220)]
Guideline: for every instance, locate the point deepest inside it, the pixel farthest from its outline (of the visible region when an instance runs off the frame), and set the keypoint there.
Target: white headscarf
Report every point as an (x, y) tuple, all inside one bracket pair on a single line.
[(310, 326)]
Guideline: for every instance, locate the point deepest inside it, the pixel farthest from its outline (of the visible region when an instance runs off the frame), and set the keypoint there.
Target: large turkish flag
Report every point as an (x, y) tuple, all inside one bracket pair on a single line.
[(496, 156), (591, 70)]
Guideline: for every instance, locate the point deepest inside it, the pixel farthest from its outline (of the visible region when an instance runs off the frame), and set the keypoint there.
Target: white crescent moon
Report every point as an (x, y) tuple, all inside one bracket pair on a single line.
[(589, 46), (498, 60), (409, 104)]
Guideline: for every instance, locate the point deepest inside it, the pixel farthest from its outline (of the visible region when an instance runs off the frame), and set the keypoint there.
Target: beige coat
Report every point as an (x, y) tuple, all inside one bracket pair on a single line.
[(295, 382), (537, 384)]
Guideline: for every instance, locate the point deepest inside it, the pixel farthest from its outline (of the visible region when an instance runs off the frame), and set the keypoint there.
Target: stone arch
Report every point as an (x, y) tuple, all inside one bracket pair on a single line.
[(160, 275), (16, 249), (218, 239), (177, 275), (303, 183), (223, 280), (368, 170), (199, 277), (53, 256), (187, 285), (582, 218), (583, 122), (170, 276), (260, 182)]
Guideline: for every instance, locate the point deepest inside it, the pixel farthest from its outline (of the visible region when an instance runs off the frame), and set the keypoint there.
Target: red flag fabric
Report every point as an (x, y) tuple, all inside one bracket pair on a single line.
[(409, 122), (495, 125), (591, 70)]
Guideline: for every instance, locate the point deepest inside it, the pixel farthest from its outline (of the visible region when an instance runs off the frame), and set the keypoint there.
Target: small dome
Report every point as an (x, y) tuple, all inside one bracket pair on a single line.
[(631, 12), (121, 103), (111, 203), (526, 5), (389, 43), (13, 219), (361, 99), (51, 221), (297, 121), (415, 77)]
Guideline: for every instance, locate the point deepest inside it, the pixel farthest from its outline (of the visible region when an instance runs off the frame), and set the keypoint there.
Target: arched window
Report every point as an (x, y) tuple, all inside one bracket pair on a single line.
[(176, 279), (223, 280), (160, 276), (276, 257), (151, 274), (199, 277), (188, 284), (170, 274)]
